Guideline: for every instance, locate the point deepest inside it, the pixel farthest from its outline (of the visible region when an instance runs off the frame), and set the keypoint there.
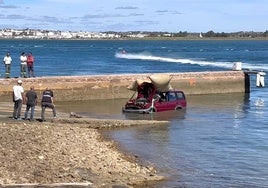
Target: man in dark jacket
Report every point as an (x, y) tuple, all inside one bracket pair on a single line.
[(31, 101), (47, 102)]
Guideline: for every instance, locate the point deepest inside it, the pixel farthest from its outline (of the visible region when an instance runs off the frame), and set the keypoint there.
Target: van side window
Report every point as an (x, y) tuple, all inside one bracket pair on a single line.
[(172, 97), (180, 96)]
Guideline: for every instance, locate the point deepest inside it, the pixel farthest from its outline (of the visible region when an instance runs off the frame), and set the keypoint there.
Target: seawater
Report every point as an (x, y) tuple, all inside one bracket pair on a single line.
[(78, 57), (218, 141)]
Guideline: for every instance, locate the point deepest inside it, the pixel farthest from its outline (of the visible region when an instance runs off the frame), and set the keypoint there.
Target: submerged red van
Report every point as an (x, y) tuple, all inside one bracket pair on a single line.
[(149, 100)]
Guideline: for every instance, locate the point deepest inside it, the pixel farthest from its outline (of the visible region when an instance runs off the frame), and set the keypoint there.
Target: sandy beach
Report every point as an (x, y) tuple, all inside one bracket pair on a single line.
[(67, 151)]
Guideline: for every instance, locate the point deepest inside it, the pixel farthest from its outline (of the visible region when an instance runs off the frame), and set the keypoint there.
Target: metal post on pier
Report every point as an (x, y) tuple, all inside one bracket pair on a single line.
[(260, 79)]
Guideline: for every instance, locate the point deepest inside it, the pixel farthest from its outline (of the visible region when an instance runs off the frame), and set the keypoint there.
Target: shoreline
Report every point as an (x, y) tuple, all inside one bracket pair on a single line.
[(144, 38), (68, 151)]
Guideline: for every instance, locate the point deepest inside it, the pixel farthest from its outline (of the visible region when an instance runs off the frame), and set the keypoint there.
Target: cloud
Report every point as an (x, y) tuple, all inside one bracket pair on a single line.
[(127, 8), (35, 20), (176, 12), (161, 11), (8, 6), (147, 22), (67, 1), (190, 15), (135, 14), (101, 16), (49, 19), (14, 17)]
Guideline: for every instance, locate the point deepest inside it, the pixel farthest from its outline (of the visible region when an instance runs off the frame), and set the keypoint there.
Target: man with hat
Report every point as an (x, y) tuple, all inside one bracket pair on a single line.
[(17, 98)]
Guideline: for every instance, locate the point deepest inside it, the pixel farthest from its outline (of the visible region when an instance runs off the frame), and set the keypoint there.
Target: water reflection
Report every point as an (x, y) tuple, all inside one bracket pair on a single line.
[(112, 108), (104, 109), (164, 116), (239, 104), (211, 144)]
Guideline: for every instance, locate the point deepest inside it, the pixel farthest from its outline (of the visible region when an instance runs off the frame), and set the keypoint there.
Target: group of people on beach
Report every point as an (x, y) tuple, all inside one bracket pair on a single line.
[(30, 100), (26, 62)]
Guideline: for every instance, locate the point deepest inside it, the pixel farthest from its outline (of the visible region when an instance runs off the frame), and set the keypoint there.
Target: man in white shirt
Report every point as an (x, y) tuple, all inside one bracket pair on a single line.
[(23, 65), (17, 98), (7, 61)]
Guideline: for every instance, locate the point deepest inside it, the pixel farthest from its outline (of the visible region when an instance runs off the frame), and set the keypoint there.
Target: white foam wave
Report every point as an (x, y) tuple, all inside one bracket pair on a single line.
[(38, 46), (148, 57)]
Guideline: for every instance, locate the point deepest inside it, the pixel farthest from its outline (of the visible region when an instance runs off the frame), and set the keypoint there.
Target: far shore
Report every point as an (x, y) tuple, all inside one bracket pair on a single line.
[(148, 38)]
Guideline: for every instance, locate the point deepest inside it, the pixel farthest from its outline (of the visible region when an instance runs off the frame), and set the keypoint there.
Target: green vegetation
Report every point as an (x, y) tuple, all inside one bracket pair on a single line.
[(189, 35)]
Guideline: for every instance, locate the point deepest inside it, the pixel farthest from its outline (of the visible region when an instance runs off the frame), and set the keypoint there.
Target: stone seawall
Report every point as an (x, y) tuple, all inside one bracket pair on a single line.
[(69, 88)]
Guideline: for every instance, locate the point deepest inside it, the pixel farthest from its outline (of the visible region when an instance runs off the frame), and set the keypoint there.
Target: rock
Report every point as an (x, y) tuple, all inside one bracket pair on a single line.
[(74, 115)]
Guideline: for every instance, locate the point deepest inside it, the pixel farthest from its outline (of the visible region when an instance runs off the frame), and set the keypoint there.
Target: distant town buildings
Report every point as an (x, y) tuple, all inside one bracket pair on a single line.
[(48, 34)]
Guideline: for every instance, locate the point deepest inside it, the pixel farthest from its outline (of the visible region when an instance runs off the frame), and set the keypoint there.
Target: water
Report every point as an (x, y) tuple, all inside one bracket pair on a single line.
[(218, 141), (54, 58)]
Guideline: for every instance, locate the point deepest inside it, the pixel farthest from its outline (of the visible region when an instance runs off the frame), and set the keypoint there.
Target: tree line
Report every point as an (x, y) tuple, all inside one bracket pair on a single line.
[(209, 34)]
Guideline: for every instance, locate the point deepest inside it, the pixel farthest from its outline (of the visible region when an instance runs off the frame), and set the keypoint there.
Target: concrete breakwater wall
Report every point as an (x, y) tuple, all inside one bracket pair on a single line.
[(68, 88)]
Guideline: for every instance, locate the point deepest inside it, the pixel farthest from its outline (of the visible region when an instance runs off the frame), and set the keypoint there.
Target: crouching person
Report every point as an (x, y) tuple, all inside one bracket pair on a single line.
[(47, 102)]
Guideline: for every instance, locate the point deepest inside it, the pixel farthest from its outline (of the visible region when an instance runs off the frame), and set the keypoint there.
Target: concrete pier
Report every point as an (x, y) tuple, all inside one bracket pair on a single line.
[(69, 88)]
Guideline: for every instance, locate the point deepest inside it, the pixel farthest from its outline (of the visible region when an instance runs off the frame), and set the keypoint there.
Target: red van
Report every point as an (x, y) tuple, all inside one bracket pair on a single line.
[(150, 100)]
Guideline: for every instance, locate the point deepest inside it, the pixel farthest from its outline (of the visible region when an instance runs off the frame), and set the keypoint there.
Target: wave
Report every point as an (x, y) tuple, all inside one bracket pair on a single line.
[(228, 65)]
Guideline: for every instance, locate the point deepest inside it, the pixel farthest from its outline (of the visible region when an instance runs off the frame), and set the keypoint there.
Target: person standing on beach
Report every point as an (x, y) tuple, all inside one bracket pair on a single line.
[(23, 65), (18, 99), (47, 102), (31, 101), (7, 62), (30, 65)]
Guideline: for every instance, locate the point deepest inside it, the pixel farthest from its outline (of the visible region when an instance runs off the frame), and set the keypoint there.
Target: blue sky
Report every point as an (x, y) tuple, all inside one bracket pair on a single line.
[(136, 15)]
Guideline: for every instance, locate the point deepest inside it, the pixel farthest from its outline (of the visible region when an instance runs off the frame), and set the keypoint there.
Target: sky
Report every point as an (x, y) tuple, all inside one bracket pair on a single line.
[(136, 15)]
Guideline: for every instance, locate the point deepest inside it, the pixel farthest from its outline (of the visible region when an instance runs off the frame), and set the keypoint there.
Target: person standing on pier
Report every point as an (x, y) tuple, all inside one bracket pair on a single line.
[(7, 62), (23, 65), (30, 65)]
